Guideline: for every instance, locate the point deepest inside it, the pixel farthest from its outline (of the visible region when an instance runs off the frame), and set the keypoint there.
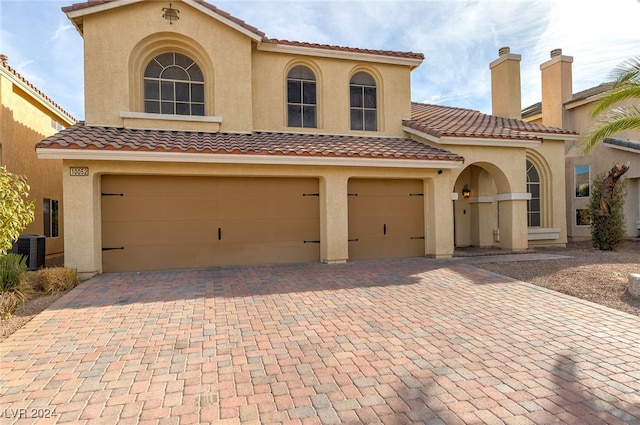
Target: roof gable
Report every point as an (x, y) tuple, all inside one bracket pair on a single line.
[(27, 86), (77, 11)]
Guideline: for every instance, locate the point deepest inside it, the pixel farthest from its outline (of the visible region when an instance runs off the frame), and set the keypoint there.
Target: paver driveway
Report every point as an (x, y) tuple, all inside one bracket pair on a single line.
[(390, 341)]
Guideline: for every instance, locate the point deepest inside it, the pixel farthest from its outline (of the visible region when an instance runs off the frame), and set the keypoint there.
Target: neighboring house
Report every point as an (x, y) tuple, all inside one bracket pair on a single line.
[(27, 116), (563, 108), (207, 143)]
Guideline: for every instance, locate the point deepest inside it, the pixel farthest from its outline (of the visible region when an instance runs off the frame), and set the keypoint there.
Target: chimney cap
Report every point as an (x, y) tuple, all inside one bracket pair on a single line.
[(556, 52), (4, 59), (504, 50)]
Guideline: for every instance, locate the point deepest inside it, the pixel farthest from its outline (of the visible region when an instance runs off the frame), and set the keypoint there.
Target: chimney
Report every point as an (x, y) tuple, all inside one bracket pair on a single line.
[(556, 88), (505, 84)]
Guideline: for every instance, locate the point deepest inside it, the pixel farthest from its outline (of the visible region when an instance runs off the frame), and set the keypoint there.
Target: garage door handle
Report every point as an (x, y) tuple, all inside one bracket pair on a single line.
[(219, 233), (384, 229)]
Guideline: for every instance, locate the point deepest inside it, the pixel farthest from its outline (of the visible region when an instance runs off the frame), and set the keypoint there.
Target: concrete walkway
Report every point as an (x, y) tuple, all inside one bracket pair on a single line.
[(370, 342)]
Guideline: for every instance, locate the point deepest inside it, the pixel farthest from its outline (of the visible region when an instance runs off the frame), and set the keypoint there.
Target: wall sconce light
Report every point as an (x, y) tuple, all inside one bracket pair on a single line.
[(466, 192), (170, 14)]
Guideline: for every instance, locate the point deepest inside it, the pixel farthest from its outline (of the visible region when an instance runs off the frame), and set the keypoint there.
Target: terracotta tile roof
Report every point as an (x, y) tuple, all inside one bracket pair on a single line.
[(240, 22), (408, 55), (80, 136), (446, 121), (16, 74)]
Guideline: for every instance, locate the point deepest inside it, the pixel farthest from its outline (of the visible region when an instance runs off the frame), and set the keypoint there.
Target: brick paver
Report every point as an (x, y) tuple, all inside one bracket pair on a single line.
[(384, 342)]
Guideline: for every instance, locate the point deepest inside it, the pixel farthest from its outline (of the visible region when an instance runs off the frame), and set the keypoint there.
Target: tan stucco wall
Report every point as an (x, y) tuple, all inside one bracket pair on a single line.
[(23, 123), (500, 172), (602, 158), (83, 200), (244, 86), (332, 77), (118, 47)]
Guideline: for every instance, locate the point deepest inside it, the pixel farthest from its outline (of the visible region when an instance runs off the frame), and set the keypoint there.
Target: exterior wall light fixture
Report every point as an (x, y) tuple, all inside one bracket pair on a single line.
[(170, 14), (466, 192)]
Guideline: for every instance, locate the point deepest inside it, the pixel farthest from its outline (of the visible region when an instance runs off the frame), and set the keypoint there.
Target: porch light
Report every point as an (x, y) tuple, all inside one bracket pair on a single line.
[(170, 14), (466, 192)]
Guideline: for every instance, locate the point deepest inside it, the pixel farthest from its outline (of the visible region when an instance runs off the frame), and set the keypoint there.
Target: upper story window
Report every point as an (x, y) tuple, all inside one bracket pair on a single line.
[(533, 204), (581, 181), (173, 84), (301, 98), (363, 102)]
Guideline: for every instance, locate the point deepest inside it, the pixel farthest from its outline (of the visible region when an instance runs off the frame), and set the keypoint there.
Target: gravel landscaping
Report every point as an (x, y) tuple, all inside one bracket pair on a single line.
[(598, 276)]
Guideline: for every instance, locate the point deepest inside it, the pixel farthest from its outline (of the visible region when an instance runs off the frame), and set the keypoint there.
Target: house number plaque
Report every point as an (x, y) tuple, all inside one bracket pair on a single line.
[(79, 171)]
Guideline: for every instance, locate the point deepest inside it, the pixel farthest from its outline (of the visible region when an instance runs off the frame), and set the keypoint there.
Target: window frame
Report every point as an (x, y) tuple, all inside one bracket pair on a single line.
[(575, 181), (51, 215), (173, 95), (361, 107), (531, 211), (306, 101), (578, 214)]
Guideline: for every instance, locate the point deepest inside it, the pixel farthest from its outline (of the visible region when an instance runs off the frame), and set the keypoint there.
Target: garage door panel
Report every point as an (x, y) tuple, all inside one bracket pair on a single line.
[(270, 230), (386, 218), (168, 222)]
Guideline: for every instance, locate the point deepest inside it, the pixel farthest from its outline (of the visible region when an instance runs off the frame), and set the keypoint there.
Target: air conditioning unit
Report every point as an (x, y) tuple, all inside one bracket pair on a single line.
[(33, 248)]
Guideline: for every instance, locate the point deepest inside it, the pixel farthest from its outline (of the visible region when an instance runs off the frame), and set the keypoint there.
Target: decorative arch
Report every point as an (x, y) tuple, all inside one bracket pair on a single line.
[(545, 185), (302, 88), (157, 44), (365, 99)]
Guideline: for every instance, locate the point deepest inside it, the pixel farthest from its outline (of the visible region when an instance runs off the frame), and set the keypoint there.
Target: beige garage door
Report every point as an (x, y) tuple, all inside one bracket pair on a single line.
[(386, 218), (160, 222)]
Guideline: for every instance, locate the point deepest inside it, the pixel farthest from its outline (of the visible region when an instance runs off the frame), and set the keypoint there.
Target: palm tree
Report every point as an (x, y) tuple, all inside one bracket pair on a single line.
[(614, 119)]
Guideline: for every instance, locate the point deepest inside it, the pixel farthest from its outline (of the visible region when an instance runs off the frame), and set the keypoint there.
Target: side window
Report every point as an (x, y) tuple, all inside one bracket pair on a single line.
[(50, 209), (533, 204), (581, 181), (363, 102), (301, 98), (173, 84)]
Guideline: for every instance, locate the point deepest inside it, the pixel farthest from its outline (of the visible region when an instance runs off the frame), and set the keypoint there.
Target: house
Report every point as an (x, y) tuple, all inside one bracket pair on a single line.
[(562, 107), (27, 116), (207, 143)]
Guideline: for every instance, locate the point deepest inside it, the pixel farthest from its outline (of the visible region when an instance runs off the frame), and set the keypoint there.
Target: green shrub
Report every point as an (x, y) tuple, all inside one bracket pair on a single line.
[(57, 279), (13, 268), (14, 288), (607, 231)]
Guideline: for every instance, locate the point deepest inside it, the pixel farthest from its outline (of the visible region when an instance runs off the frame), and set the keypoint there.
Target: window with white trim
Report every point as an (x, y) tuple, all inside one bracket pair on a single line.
[(301, 98), (533, 204), (363, 102), (173, 84)]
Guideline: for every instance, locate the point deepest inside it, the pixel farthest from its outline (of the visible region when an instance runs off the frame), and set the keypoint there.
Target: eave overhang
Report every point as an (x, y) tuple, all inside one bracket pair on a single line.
[(186, 157)]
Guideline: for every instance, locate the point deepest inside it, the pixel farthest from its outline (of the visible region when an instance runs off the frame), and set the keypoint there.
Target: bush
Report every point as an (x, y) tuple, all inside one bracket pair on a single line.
[(607, 231), (14, 288), (13, 268), (57, 279)]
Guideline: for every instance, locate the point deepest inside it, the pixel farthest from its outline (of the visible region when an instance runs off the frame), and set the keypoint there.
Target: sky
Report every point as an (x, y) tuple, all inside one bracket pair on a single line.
[(459, 39)]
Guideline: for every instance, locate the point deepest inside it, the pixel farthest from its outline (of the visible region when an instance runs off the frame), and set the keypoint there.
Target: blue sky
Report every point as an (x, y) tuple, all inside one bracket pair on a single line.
[(459, 39)]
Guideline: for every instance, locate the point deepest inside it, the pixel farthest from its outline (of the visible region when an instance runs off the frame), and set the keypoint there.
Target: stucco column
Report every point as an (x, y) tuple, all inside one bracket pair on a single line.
[(513, 221), (334, 219), (438, 216), (82, 239)]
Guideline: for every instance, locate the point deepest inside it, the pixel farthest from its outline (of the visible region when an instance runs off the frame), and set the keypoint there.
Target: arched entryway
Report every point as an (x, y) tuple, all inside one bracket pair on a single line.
[(478, 213)]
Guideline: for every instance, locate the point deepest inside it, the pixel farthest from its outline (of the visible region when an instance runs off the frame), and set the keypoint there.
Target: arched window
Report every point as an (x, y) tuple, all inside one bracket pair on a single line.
[(533, 187), (301, 98), (173, 84), (363, 100)]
